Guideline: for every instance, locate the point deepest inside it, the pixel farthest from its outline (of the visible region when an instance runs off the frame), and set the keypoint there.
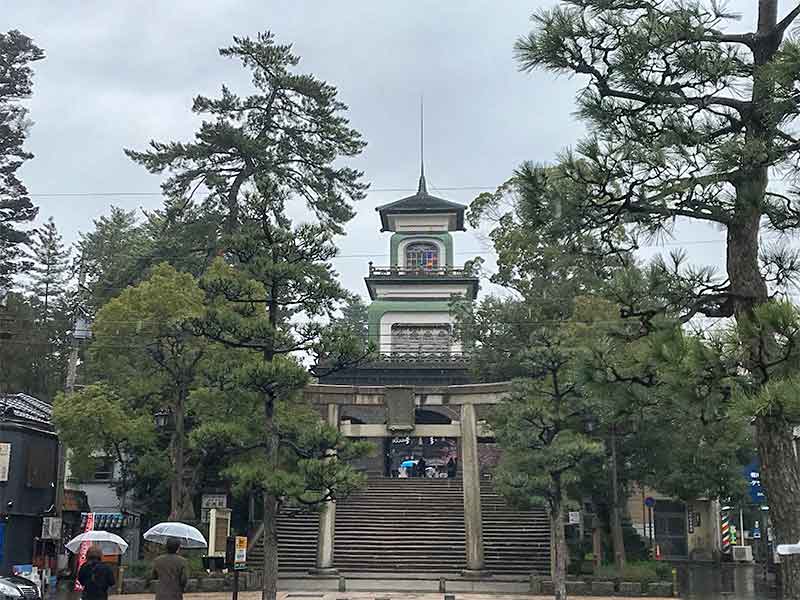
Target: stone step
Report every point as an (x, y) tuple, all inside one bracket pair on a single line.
[(416, 525)]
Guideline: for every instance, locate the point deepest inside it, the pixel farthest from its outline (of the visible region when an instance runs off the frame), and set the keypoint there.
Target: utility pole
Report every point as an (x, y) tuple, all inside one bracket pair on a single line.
[(79, 332)]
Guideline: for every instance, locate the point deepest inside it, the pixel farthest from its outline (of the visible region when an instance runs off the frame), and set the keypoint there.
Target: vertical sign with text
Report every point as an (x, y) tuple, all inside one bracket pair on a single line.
[(5, 460), (84, 549)]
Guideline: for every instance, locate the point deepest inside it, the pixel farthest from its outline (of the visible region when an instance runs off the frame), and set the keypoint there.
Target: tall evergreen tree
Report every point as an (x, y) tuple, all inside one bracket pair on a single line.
[(17, 51), (273, 282), (49, 275), (687, 121), (47, 283), (109, 255), (281, 140)]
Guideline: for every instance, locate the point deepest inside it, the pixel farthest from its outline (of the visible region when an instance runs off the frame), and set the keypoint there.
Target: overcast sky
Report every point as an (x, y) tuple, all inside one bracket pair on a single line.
[(118, 74)]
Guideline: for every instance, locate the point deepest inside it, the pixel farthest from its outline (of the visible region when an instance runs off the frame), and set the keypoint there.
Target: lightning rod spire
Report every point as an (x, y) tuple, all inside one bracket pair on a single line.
[(422, 186)]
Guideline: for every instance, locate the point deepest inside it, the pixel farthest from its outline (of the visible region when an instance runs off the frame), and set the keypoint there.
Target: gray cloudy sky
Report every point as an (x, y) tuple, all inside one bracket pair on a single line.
[(118, 74)]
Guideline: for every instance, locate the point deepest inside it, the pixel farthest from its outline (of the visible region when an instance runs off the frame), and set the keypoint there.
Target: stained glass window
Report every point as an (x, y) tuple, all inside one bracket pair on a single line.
[(422, 256)]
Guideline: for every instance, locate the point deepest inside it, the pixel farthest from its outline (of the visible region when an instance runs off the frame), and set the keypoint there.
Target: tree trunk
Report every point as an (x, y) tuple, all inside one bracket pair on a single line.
[(177, 489), (617, 537), (269, 590), (767, 15), (560, 550), (781, 478), (597, 547)]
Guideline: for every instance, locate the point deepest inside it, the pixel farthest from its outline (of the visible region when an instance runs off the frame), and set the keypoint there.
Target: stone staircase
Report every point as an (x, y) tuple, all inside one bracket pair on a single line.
[(416, 526)]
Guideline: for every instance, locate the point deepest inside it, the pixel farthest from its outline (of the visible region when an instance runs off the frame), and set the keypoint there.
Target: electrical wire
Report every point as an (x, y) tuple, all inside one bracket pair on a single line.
[(381, 190)]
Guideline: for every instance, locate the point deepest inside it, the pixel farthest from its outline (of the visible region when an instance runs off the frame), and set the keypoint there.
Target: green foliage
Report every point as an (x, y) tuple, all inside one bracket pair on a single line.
[(641, 572), (33, 354), (281, 140), (144, 358), (95, 422), (110, 255), (49, 274), (355, 317), (773, 390), (541, 238), (149, 325), (18, 351), (17, 52), (271, 293)]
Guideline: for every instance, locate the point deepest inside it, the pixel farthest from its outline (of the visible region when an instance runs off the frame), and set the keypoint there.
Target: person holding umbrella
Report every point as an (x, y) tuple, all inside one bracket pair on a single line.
[(171, 571), (95, 576)]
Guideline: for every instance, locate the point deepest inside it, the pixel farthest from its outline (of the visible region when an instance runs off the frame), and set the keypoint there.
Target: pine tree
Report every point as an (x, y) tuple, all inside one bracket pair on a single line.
[(16, 53), (110, 255), (49, 275), (688, 121), (272, 286)]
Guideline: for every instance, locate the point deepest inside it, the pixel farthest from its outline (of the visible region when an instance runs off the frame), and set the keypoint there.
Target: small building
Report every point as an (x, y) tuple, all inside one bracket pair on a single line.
[(111, 510), (681, 530), (28, 475)]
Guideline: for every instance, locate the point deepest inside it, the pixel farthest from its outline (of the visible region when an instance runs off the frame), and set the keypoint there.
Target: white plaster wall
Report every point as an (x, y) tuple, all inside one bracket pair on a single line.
[(390, 318), (401, 249), (422, 223), (102, 496), (421, 291)]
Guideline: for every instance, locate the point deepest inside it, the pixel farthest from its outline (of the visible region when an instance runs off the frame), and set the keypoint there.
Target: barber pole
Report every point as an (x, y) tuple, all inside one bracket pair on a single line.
[(725, 531), (84, 549)]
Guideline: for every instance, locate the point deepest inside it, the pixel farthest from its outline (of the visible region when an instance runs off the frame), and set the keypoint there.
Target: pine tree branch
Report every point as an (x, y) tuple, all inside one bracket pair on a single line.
[(782, 25)]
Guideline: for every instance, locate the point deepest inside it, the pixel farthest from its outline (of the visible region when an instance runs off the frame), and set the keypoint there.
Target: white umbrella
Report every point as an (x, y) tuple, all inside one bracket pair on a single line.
[(188, 536), (786, 549), (109, 543)]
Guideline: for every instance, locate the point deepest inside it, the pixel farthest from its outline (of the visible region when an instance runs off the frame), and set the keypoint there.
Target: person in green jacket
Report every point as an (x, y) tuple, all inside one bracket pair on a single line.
[(172, 572)]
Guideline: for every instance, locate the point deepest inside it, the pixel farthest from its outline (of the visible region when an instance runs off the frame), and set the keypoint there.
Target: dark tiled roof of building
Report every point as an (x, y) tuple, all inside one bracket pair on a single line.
[(28, 408), (422, 202)]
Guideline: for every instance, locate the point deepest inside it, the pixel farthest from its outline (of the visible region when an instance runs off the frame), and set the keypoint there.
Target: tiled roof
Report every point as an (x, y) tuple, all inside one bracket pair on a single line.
[(422, 202), (22, 406)]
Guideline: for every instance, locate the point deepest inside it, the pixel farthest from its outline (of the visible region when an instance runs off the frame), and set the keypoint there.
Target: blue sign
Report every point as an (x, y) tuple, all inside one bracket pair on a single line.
[(649, 502), (752, 473)]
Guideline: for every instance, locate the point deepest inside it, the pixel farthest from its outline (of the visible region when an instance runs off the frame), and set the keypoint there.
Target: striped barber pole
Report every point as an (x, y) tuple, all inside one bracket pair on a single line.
[(725, 531)]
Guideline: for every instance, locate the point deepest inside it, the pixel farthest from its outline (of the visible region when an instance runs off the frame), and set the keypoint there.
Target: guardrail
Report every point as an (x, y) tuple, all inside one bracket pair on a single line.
[(396, 271)]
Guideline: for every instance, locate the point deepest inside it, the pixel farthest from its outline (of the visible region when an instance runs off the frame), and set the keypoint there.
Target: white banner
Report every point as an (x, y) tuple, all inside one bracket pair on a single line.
[(5, 460)]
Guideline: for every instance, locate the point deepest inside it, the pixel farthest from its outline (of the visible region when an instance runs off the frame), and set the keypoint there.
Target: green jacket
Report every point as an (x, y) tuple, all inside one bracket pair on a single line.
[(172, 573)]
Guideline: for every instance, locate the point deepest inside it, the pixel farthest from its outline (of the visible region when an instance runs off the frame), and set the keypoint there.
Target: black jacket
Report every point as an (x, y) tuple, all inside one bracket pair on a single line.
[(96, 578)]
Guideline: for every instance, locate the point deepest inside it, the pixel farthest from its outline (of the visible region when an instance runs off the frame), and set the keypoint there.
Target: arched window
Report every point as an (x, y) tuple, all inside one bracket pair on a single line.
[(422, 255)]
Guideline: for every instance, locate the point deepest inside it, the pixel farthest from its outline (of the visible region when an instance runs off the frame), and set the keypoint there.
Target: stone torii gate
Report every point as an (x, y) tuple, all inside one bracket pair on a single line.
[(400, 403)]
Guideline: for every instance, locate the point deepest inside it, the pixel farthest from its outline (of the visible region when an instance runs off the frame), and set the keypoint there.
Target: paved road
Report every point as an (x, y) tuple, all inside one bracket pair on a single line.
[(355, 596)]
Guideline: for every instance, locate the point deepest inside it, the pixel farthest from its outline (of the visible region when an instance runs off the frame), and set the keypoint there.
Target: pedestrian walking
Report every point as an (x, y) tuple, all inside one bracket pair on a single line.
[(95, 576), (171, 571)]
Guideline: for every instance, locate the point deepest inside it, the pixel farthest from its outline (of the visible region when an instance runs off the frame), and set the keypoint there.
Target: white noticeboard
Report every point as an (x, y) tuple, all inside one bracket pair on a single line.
[(574, 518), (5, 460)]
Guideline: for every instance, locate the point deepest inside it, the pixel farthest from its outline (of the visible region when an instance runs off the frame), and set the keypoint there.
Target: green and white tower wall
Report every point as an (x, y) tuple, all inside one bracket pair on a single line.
[(410, 313)]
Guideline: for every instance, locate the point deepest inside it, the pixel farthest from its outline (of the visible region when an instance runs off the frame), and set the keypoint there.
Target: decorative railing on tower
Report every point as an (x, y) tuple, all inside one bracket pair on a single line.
[(429, 359), (397, 271)]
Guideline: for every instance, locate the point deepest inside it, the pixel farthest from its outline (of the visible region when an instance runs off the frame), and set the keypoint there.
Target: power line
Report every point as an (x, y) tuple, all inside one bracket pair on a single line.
[(154, 194)]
